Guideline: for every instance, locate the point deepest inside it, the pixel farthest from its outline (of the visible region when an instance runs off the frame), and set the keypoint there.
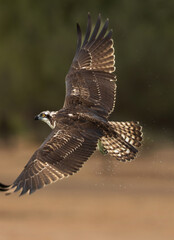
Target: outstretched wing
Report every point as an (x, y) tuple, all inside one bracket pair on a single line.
[(61, 155), (90, 81)]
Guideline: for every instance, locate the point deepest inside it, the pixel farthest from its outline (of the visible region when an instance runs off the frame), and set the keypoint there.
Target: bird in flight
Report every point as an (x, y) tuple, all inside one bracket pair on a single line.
[(82, 124)]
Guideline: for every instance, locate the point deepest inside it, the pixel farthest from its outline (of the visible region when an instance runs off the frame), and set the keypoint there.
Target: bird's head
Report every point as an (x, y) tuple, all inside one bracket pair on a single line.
[(47, 117)]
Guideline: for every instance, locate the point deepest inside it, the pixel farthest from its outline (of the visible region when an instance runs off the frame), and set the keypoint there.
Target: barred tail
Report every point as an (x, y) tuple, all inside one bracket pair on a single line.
[(123, 143)]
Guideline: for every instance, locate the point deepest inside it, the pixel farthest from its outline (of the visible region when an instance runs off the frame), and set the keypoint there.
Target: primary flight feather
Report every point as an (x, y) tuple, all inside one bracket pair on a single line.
[(83, 122)]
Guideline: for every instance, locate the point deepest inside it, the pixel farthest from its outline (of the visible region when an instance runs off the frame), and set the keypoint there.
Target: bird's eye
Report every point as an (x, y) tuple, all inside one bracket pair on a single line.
[(43, 115)]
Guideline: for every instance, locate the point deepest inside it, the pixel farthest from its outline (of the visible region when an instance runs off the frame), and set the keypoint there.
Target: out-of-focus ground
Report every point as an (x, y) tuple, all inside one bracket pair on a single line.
[(105, 200)]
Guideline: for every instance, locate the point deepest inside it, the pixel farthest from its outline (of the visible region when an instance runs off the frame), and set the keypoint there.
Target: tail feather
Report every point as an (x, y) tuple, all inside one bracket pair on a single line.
[(123, 143), (131, 132)]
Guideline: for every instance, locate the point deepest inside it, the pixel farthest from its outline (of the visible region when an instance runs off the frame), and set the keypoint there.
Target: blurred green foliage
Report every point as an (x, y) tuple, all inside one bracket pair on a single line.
[(38, 41)]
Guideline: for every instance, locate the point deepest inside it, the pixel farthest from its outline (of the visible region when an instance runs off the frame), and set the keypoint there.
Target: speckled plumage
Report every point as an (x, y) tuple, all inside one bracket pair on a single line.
[(128, 134), (83, 120)]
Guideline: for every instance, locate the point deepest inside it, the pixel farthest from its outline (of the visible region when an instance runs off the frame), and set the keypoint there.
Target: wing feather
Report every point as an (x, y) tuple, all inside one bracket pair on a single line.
[(79, 39), (96, 29), (95, 56), (62, 154), (88, 31), (104, 30)]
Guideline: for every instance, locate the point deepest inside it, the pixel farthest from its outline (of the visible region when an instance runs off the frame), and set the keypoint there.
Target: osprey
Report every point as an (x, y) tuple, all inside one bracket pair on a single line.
[(82, 123)]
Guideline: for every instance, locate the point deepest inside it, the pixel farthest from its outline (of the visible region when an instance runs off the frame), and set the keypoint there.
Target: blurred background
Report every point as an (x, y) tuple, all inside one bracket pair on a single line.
[(106, 199)]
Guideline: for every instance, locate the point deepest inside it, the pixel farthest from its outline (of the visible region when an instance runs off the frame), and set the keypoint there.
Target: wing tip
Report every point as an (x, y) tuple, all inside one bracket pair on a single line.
[(78, 28), (4, 187), (79, 36)]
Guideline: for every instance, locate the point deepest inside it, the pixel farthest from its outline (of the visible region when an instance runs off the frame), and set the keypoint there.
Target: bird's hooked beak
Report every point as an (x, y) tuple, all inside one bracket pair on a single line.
[(36, 117)]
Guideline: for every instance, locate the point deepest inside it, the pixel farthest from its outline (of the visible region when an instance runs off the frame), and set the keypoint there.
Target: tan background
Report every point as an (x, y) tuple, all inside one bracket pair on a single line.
[(105, 200)]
